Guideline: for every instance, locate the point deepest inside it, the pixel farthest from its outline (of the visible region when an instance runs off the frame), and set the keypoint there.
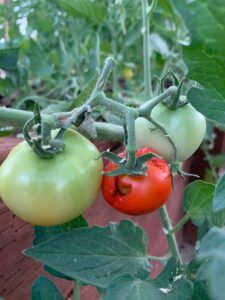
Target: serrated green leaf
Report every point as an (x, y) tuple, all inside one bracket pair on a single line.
[(45, 289), (213, 243), (171, 269), (205, 56), (173, 283), (197, 201), (95, 255), (219, 195), (94, 9), (128, 287), (42, 233), (212, 247), (201, 291), (39, 63)]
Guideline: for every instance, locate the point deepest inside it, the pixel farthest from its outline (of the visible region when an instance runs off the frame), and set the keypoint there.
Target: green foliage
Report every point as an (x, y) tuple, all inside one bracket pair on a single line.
[(197, 201), (212, 249), (205, 55), (9, 58), (96, 255), (130, 287), (50, 52), (43, 234), (219, 200), (44, 289), (94, 10)]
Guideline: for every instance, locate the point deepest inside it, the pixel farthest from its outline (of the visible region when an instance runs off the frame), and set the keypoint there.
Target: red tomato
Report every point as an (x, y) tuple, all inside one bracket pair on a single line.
[(137, 195)]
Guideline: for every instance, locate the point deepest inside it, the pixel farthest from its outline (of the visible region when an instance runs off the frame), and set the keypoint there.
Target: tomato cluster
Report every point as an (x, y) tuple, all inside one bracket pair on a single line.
[(53, 191)]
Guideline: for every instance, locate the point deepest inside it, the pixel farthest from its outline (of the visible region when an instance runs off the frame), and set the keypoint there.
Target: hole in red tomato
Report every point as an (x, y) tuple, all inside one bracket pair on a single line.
[(121, 188)]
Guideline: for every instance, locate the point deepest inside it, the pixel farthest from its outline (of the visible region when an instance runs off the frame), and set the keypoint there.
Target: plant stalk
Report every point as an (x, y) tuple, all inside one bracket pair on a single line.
[(146, 50), (17, 118), (77, 290), (170, 236), (180, 224)]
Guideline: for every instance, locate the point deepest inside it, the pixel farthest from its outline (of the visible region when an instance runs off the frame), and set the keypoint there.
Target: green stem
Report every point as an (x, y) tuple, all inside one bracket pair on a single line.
[(131, 142), (145, 109), (77, 290), (97, 51), (14, 117), (171, 239), (161, 128), (109, 132), (108, 66), (113, 106), (180, 224), (146, 49), (114, 53), (17, 119)]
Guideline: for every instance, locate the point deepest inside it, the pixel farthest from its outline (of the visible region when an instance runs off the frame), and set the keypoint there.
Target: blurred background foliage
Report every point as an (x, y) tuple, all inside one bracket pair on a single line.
[(52, 48)]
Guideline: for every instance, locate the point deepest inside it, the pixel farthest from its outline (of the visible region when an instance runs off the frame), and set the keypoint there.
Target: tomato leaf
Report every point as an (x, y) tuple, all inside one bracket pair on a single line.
[(219, 196), (44, 288), (40, 65), (197, 201), (205, 56), (90, 9), (212, 247), (96, 255), (44, 233), (171, 270), (173, 283), (132, 288), (9, 58)]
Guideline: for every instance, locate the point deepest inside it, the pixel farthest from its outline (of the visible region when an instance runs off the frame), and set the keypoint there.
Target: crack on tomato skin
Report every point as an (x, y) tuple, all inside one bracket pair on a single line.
[(120, 190)]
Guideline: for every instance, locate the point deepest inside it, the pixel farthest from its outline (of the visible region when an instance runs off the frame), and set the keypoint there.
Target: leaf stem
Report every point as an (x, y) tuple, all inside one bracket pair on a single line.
[(171, 239), (180, 224), (77, 290), (145, 109), (18, 118)]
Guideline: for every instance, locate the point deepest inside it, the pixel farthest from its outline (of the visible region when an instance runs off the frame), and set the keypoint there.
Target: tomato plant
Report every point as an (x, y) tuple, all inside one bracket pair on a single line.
[(136, 195), (51, 191), (50, 52), (185, 125)]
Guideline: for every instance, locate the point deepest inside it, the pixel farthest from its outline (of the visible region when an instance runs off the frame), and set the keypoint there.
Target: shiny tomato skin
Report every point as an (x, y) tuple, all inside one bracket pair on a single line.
[(137, 195), (52, 191)]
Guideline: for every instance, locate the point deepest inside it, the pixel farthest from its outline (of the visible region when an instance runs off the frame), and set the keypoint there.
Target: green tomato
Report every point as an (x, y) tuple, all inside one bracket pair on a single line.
[(185, 126), (51, 191)]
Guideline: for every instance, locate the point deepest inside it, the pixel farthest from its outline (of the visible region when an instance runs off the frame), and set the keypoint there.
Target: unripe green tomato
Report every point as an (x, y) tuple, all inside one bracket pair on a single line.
[(185, 126), (51, 191)]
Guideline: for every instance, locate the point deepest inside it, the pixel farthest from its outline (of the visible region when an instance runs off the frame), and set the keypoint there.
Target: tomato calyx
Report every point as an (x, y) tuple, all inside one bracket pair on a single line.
[(176, 168), (139, 169), (42, 143)]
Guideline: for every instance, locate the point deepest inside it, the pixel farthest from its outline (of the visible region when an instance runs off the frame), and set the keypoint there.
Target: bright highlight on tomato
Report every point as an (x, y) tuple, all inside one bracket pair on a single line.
[(185, 125), (51, 191), (137, 195)]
